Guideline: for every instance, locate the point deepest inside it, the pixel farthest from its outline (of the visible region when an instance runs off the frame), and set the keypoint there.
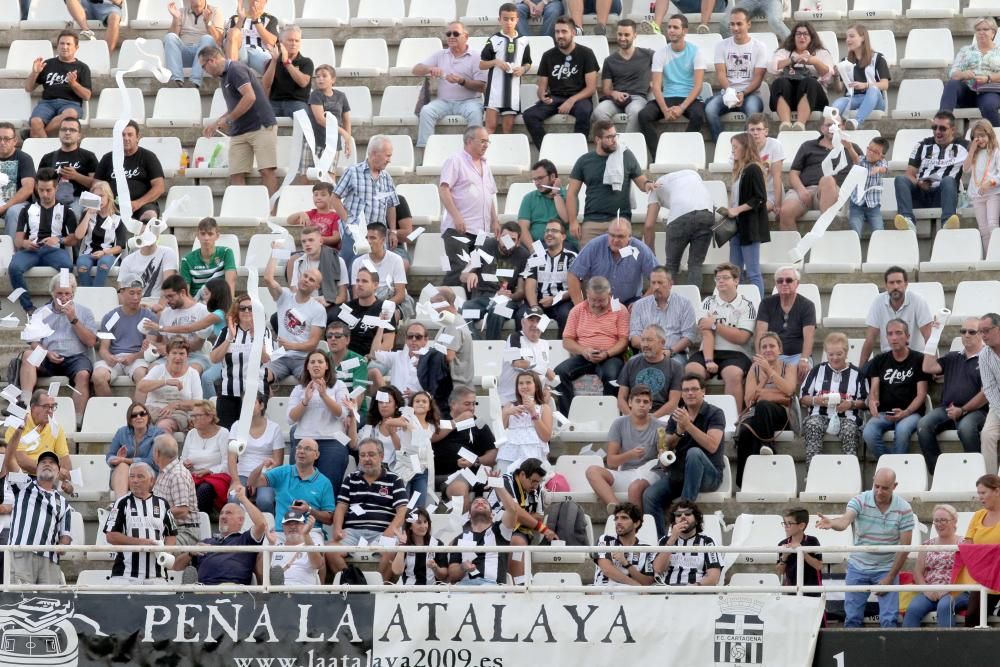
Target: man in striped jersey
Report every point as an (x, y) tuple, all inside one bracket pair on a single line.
[(481, 568), (523, 486), (40, 517), (702, 568), (139, 517), (633, 568)]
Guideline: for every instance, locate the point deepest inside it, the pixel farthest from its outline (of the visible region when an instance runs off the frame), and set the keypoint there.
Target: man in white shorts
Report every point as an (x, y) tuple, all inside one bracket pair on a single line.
[(124, 354), (643, 434)]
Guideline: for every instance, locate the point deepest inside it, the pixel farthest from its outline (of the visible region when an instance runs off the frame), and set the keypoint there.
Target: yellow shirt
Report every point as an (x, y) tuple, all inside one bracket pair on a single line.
[(977, 533), (47, 440)]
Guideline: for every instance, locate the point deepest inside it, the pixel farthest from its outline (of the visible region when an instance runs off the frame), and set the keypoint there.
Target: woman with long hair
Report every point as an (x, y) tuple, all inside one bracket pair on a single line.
[(206, 455), (231, 352), (264, 441), (418, 569), (870, 79), (983, 167), (748, 204), (803, 69), (132, 443), (984, 528), (386, 423), (528, 420), (100, 242)]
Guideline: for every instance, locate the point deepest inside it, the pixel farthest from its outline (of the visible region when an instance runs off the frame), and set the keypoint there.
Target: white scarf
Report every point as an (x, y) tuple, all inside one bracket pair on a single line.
[(614, 169)]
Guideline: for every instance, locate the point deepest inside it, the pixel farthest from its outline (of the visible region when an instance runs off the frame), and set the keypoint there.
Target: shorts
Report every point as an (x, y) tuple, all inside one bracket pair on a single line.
[(261, 143), (623, 478), (49, 109), (590, 6), (32, 568), (286, 366), (180, 417), (352, 536), (813, 199), (505, 111), (120, 369), (100, 11), (724, 359), (151, 207), (70, 366)]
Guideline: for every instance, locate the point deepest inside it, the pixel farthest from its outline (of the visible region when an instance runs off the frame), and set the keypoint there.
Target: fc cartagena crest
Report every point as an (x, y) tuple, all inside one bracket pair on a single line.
[(739, 631), (39, 631)]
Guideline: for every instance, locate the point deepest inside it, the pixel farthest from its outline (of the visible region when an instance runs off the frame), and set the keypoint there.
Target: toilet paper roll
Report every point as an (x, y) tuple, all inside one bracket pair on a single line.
[(489, 382), (447, 318), (361, 247), (157, 227), (937, 328), (165, 560), (668, 458), (832, 400), (388, 307), (150, 355), (237, 447)]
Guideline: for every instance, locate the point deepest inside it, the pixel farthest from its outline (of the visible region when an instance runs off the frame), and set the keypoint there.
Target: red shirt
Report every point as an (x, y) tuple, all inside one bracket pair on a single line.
[(328, 222), (600, 332)]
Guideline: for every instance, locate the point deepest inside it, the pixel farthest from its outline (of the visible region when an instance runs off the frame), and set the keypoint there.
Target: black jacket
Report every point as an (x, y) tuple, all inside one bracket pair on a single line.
[(752, 226)]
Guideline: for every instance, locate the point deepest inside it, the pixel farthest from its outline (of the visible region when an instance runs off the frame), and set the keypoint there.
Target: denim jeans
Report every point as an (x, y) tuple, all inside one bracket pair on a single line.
[(84, 263), (23, 260), (747, 258), (920, 605), (287, 108), (494, 322), (435, 110), (936, 421), (209, 377), (909, 195), (692, 229), (255, 59), (10, 219), (177, 55), (958, 94), (871, 99), (576, 366), (769, 9), (550, 13), (332, 460), (418, 484), (535, 115), (699, 475), (859, 215), (263, 496), (876, 428), (854, 603), (715, 109)]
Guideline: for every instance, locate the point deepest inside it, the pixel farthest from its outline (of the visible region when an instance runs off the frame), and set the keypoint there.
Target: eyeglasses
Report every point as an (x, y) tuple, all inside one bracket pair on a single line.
[(784, 281), (971, 332), (452, 33), (336, 334), (986, 330), (940, 128), (46, 406), (679, 513), (610, 136), (139, 414), (246, 309), (414, 336), (789, 523), (7, 139), (198, 414), (947, 520)]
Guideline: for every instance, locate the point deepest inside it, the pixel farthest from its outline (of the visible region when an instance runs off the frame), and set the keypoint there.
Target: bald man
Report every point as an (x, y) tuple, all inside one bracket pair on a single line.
[(879, 517), (301, 321), (617, 256)]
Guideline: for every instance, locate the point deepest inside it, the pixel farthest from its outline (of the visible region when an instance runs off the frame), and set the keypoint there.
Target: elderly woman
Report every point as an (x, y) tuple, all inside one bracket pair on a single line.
[(934, 568), (835, 376), (770, 386), (974, 67), (803, 69), (206, 455), (132, 442), (983, 529), (171, 389)]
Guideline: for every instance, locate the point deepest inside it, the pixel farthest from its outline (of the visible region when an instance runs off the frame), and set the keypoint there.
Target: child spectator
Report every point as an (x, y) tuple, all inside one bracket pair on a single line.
[(209, 261), (324, 98), (507, 57), (321, 216), (795, 524), (867, 206), (983, 167)]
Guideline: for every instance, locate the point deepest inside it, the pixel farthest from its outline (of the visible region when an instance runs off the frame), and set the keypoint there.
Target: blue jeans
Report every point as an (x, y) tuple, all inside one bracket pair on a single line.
[(747, 257), (263, 497), (209, 377), (494, 322), (23, 260), (909, 195), (715, 109), (699, 475), (255, 59), (418, 484), (178, 55), (871, 99), (769, 9), (854, 603), (791, 359), (859, 215), (10, 219), (550, 13), (286, 108), (332, 460), (437, 109), (85, 263), (878, 426), (577, 366), (946, 607), (958, 94), (936, 421)]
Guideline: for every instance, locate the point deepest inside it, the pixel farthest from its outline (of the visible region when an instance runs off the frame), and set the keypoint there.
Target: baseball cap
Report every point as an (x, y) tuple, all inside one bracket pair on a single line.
[(130, 281), (48, 455), (534, 311), (292, 515)]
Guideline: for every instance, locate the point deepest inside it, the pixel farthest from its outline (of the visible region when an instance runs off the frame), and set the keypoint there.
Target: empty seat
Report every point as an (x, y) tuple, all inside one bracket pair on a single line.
[(95, 53), (892, 247), (791, 141), (973, 298), (325, 13), (293, 199), (15, 107), (413, 50), (512, 204), (403, 158), (152, 15), (95, 475), (768, 479), (397, 106), (283, 10), (722, 158), (931, 292), (430, 12), (754, 578), (705, 43), (928, 47), (167, 149), (884, 41), (755, 530), (876, 9), (954, 250), (555, 578), (176, 107), (902, 146), (37, 147), (832, 538), (774, 254), (427, 253), (101, 418), (246, 202), (992, 260), (187, 204), (10, 15), (378, 13), (918, 98), (955, 478), (811, 10), (590, 418), (932, 9), (727, 404), (360, 99), (47, 15), (128, 55), (100, 300), (835, 252), (679, 150), (911, 473), (22, 54), (109, 107), (439, 148), (849, 304), (832, 478), (424, 202), (596, 43), (487, 358), (977, 8), (563, 149), (364, 56), (509, 154), (635, 142), (482, 12), (320, 51)]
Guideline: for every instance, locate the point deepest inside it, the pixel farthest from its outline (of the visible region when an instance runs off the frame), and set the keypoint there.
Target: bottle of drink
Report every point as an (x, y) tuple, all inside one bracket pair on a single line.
[(213, 161), (185, 161)]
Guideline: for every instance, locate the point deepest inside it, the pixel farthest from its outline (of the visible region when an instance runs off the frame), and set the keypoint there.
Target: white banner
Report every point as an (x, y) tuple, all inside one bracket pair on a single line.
[(497, 630)]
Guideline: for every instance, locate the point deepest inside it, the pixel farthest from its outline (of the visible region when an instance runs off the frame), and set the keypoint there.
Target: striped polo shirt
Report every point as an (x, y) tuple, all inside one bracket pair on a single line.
[(376, 501), (872, 527)]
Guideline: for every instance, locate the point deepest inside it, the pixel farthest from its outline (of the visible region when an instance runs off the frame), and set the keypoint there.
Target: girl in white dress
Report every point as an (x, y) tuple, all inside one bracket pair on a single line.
[(528, 420)]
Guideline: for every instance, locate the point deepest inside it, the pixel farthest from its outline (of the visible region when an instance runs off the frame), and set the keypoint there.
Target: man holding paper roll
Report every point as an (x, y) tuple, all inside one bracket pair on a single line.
[(298, 486), (122, 346), (301, 321), (41, 434), (140, 518)]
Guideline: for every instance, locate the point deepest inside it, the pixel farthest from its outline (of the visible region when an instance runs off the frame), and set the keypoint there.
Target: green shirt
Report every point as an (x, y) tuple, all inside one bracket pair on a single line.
[(602, 203), (355, 377), (196, 271), (538, 210)]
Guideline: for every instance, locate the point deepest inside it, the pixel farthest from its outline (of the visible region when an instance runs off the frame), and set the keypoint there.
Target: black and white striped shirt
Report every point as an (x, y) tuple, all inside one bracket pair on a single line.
[(823, 380), (642, 560), (934, 162), (418, 570), (142, 518), (39, 517), (378, 500), (551, 276), (233, 371), (689, 568), (530, 501), (491, 566)]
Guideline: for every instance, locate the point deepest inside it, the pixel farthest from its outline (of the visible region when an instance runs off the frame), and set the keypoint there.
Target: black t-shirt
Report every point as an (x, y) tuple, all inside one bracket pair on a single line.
[(53, 80), (17, 167), (80, 159), (515, 261), (566, 72), (881, 70), (788, 326), (45, 228), (708, 418), (810, 577), (402, 209), (140, 169), (809, 161), (362, 334), (284, 88), (477, 440), (898, 380)]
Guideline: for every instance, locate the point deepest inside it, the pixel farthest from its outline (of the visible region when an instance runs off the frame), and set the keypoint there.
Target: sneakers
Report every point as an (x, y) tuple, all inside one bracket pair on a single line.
[(903, 223), (651, 27), (177, 83), (189, 576), (785, 125), (952, 223), (601, 30), (703, 29), (766, 451), (799, 126), (88, 34), (611, 508)]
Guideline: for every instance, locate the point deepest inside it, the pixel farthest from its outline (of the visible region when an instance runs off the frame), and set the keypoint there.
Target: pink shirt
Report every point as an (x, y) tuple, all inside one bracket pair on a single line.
[(465, 65), (472, 191)]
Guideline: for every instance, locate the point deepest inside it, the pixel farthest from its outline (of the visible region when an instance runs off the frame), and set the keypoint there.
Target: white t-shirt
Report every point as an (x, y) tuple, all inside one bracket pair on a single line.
[(295, 320), (259, 449), (390, 269), (682, 192), (741, 60), (210, 453), (537, 353), (303, 263), (159, 398), (151, 268), (317, 421), (771, 153), (402, 369), (171, 317), (298, 570), (739, 313)]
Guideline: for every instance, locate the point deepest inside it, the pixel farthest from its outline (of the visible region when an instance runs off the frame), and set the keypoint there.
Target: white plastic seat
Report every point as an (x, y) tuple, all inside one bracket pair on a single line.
[(955, 477), (876, 9), (430, 13), (932, 292), (487, 358), (325, 13), (102, 417), (884, 41), (10, 16), (37, 147), (152, 15), (555, 578), (791, 141), (574, 469), (646, 533), (397, 106), (128, 55), (77, 535), (918, 98), (973, 298), (109, 107), (892, 247), (100, 300), (509, 154), (65, 412), (679, 150), (902, 146), (230, 241), (774, 254), (277, 407), (95, 53), (15, 107), (427, 253), (911, 473), (95, 473), (283, 10), (596, 43), (413, 50), (836, 252), (22, 54), (810, 10), (482, 12), (705, 43), (425, 205), (721, 159), (378, 13), (768, 479), (928, 47), (176, 107), (512, 204), (832, 538), (635, 142), (245, 202), (294, 199), (727, 404), (363, 56), (977, 8), (188, 204), (563, 149), (439, 148), (360, 99), (954, 250), (590, 418), (167, 149), (992, 260), (932, 9), (47, 15), (754, 578), (849, 304), (832, 478), (320, 50), (755, 530), (258, 252)]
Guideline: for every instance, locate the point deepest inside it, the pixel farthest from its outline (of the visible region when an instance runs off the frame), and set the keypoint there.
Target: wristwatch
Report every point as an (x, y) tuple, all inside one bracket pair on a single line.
[(74, 321)]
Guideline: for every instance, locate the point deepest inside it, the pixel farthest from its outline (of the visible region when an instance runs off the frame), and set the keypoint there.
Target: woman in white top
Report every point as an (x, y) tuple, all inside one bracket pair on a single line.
[(528, 421), (206, 455), (320, 409), (419, 569), (264, 441), (983, 168), (171, 389)]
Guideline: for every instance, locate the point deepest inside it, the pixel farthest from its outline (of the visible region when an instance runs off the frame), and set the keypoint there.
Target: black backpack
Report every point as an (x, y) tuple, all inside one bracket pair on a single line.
[(352, 576), (569, 522)]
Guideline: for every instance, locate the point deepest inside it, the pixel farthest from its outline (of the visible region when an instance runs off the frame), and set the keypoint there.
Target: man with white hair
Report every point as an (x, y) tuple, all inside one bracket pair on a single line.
[(289, 73), (139, 518), (525, 351), (791, 316), (176, 486), (123, 356)]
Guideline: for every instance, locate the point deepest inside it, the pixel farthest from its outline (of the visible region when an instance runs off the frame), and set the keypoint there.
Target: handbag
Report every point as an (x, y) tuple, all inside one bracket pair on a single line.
[(987, 88), (423, 96), (723, 231)]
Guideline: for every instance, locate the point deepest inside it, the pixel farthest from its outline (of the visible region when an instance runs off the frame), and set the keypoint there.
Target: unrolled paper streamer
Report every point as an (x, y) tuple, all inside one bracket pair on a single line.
[(832, 401), (496, 420), (241, 430), (856, 179), (836, 159), (937, 328), (302, 132)]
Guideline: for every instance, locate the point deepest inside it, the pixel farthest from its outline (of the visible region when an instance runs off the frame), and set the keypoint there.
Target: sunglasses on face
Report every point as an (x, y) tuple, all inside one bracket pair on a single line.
[(136, 415), (784, 281), (246, 309), (971, 332), (414, 336), (940, 128), (452, 33), (336, 335)]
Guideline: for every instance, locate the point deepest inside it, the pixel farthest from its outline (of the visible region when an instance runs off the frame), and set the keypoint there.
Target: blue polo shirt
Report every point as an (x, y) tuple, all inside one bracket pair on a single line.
[(228, 567), (961, 379), (235, 76), (289, 487), (624, 273)]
